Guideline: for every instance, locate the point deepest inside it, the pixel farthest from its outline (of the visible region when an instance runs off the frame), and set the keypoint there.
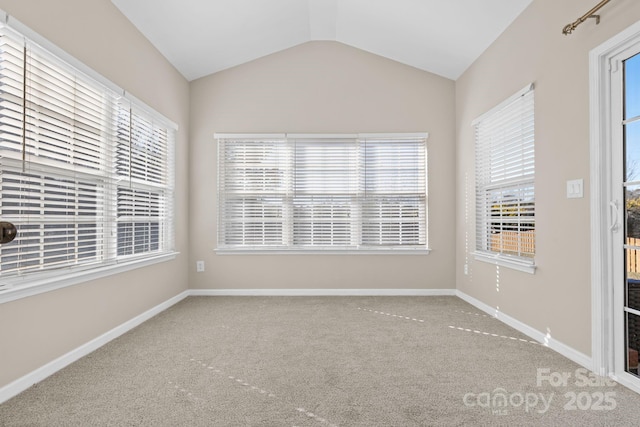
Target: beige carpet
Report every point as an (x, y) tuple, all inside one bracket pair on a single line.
[(322, 362)]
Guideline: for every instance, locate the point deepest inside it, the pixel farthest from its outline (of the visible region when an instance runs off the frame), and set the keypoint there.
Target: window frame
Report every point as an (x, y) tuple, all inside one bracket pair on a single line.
[(31, 283), (522, 185), (289, 223)]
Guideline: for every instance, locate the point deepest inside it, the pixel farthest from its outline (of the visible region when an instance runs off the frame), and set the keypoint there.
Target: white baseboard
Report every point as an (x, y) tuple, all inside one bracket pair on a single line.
[(23, 383), (628, 380), (548, 341), (322, 292)]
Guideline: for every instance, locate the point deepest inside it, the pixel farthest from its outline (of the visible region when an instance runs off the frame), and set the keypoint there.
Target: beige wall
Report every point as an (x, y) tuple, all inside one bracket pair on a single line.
[(557, 299), (323, 87), (329, 87), (36, 330)]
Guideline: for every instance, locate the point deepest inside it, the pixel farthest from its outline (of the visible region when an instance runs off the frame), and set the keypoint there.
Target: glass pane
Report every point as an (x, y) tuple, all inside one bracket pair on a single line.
[(632, 151), (632, 256), (394, 167), (633, 342), (323, 221), (327, 168), (632, 87), (632, 205), (633, 292), (393, 221)]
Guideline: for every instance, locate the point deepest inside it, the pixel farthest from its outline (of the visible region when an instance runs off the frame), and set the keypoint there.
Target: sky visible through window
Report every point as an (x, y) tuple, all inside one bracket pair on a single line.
[(632, 110)]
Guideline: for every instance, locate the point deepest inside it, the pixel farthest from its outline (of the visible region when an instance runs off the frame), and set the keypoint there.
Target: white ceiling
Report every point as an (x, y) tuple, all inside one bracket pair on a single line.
[(201, 37)]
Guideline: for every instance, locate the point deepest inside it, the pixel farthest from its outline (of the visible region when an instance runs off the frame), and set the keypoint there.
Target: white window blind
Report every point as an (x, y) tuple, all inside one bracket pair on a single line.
[(144, 191), (505, 171), (85, 176), (394, 208), (316, 192), (325, 192), (255, 189)]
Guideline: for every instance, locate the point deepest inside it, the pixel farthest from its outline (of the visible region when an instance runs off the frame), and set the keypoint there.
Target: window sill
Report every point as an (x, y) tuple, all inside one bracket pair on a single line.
[(23, 287), (257, 251), (503, 261)]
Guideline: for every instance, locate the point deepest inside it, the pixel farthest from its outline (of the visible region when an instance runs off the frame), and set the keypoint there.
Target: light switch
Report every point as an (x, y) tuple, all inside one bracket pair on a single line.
[(575, 189)]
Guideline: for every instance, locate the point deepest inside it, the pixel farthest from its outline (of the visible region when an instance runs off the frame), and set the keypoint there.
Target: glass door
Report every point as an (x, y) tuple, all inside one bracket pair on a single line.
[(631, 184)]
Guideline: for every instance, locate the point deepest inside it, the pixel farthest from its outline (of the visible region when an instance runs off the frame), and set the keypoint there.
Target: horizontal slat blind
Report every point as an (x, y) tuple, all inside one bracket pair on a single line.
[(56, 117), (325, 192), (254, 178), (145, 183), (66, 114), (60, 219), (505, 171), (12, 86), (85, 178), (394, 211), (322, 192)]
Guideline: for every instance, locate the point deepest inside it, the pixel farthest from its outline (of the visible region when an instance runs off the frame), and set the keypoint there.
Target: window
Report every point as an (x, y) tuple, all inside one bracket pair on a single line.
[(144, 194), (86, 174), (505, 196), (322, 192)]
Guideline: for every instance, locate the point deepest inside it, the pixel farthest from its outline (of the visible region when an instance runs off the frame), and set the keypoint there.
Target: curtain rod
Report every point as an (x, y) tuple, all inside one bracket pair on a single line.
[(568, 29)]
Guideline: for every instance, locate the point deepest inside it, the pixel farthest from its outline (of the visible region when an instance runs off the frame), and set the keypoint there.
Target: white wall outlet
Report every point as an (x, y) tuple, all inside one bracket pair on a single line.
[(199, 266), (466, 269)]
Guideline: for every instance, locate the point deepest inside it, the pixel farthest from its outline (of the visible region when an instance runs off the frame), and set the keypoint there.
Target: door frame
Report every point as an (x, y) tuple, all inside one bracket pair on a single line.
[(603, 215)]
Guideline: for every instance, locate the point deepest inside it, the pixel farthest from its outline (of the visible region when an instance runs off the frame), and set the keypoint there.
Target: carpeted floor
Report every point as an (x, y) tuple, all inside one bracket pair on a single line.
[(322, 362)]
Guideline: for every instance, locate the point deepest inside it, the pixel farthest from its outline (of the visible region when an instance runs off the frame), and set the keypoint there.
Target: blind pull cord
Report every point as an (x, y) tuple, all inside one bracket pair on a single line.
[(130, 147), (24, 109)]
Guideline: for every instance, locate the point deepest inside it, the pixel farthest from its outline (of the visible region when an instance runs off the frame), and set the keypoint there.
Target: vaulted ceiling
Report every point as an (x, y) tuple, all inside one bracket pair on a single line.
[(201, 37)]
